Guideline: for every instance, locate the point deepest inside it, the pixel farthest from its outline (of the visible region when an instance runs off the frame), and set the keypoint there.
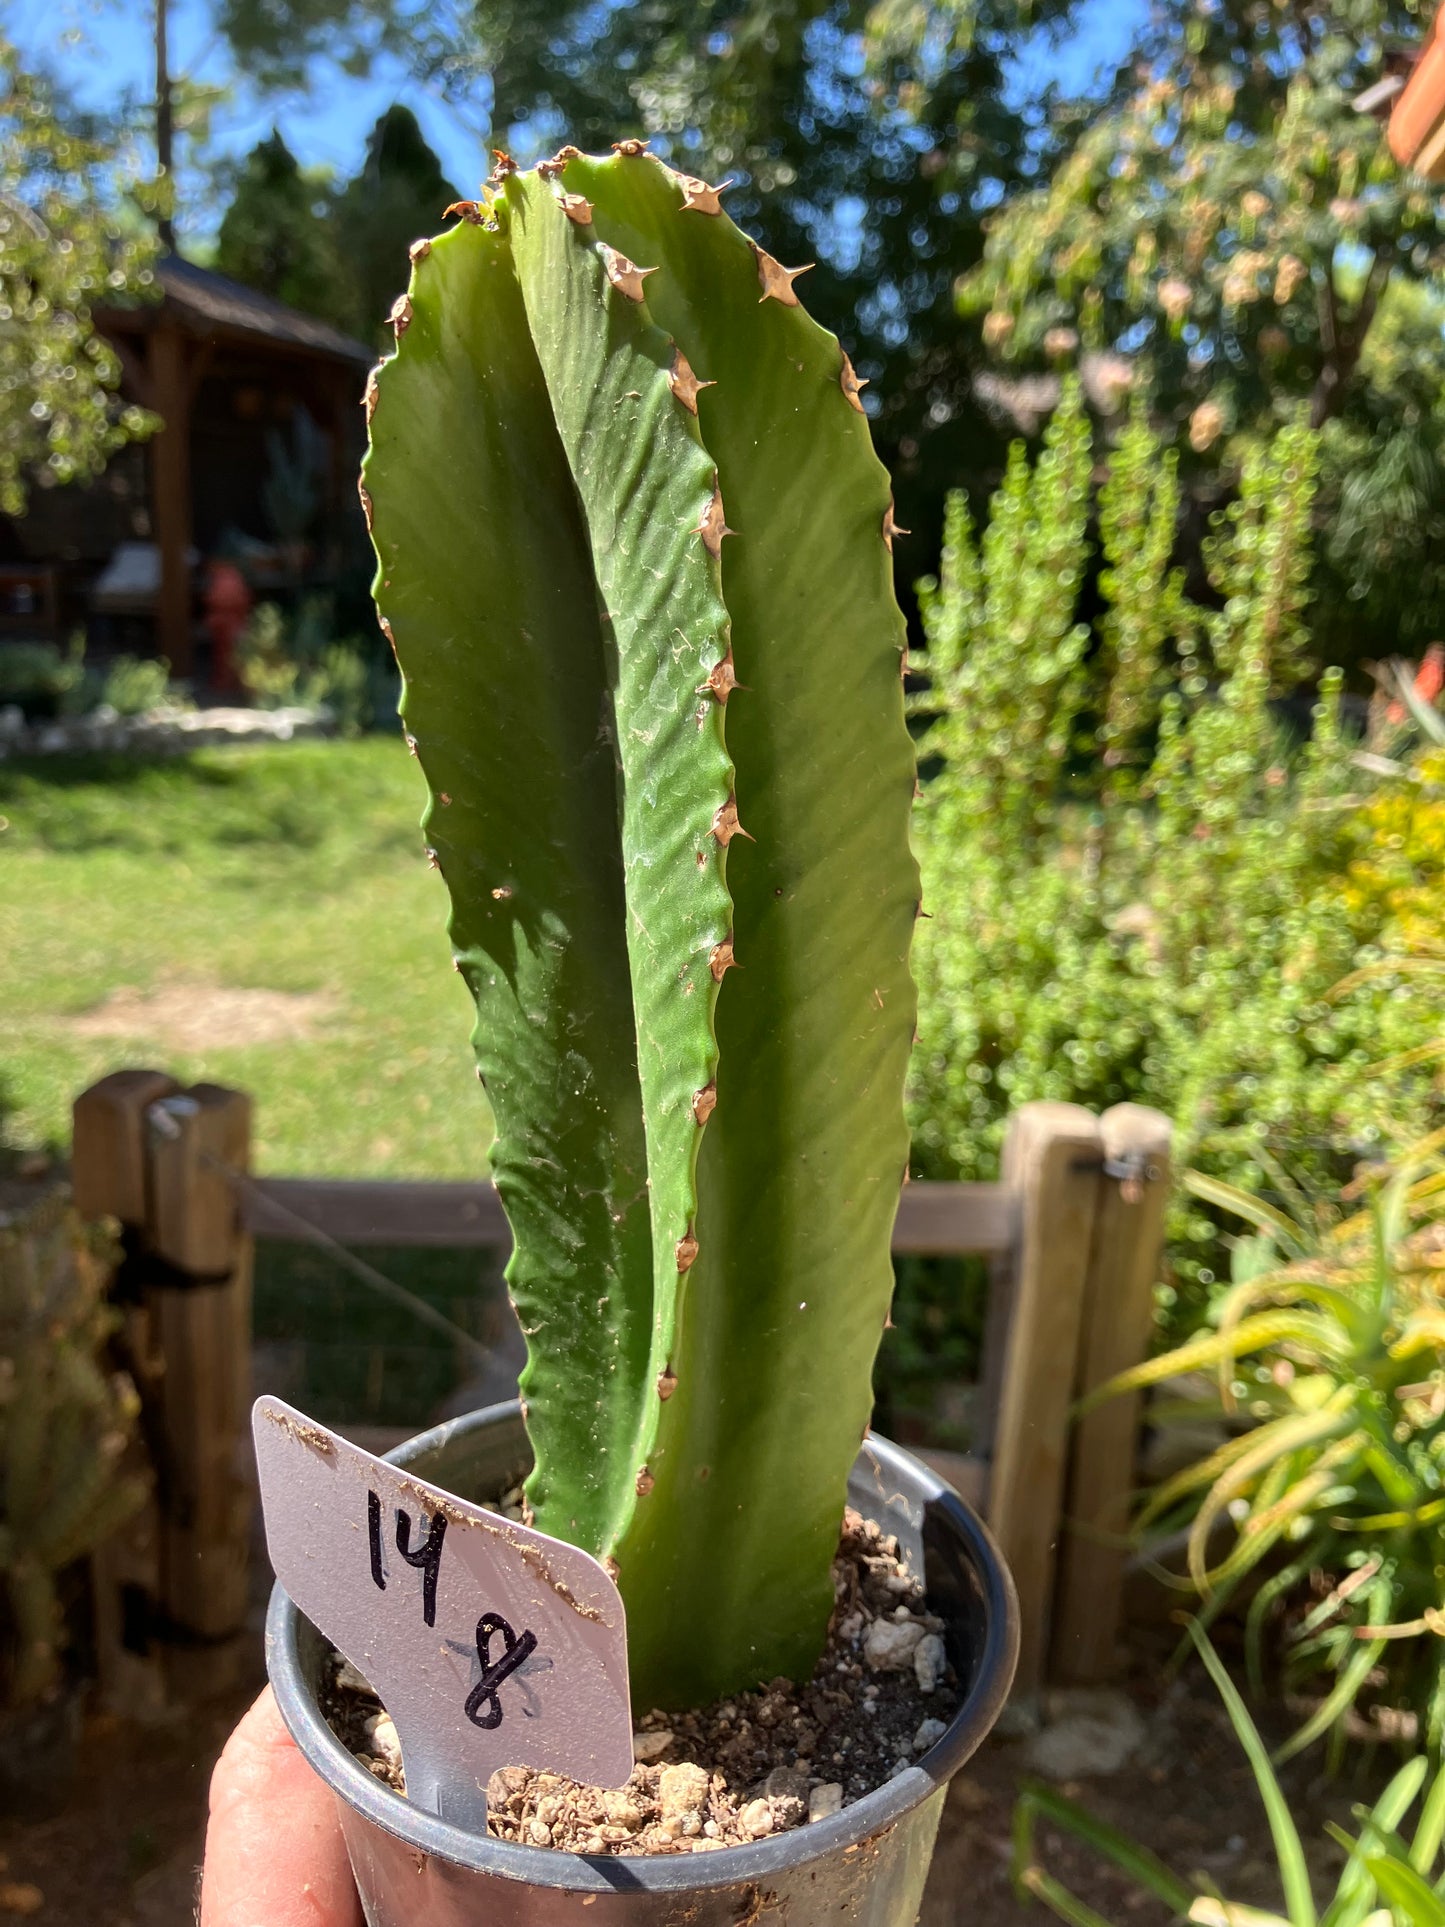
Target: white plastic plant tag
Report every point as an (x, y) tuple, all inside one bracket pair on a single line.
[(490, 1644)]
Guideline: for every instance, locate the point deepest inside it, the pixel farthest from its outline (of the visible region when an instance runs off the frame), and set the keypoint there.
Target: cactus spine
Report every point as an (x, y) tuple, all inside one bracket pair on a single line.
[(670, 786)]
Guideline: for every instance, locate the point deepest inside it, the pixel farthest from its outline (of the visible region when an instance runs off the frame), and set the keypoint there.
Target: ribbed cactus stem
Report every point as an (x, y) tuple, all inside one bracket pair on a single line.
[(633, 554)]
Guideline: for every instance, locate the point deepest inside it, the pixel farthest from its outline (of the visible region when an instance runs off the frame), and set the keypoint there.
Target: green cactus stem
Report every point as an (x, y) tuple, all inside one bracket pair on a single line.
[(670, 787), (65, 1424)]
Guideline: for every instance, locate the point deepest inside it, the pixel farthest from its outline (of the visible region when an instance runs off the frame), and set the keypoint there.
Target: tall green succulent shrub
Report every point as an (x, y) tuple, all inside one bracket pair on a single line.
[(1135, 876), (633, 548)]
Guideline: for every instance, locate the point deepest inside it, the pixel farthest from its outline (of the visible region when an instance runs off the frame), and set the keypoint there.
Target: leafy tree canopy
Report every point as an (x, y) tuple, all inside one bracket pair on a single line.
[(399, 194), (867, 138), (1227, 218), (67, 244), (277, 234), (340, 253)]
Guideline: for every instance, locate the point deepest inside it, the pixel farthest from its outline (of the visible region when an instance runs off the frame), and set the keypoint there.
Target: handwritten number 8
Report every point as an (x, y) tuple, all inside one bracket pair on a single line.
[(514, 1652)]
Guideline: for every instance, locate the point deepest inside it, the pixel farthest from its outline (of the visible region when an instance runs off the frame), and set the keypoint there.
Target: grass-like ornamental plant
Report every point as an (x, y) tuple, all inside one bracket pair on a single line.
[(1387, 1879), (1330, 1356), (634, 558)]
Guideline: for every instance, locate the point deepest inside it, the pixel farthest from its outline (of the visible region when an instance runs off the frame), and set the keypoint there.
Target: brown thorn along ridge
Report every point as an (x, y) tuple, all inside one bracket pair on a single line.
[(400, 316), (385, 628), (368, 399), (722, 678), (504, 164), (684, 383), (713, 526), (892, 528), (686, 1251), (775, 280), (365, 504), (666, 1383), (468, 210), (721, 959), (725, 824), (610, 1566), (704, 1103), (644, 1482), (577, 208), (851, 385), (698, 195), (632, 148), (419, 250), (624, 275)]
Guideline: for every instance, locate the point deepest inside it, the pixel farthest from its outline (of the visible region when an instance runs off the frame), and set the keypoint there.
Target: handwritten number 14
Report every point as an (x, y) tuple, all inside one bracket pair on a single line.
[(427, 1557)]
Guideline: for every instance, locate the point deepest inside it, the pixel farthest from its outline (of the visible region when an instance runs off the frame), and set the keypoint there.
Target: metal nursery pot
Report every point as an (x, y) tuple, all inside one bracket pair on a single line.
[(866, 1865)]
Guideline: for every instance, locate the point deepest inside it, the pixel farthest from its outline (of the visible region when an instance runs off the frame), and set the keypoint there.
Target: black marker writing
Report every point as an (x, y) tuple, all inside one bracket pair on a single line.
[(428, 1557), (373, 1527), (514, 1652)]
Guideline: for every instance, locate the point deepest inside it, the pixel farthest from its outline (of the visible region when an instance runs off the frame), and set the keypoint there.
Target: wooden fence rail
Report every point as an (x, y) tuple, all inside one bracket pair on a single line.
[(933, 1219), (1073, 1231)]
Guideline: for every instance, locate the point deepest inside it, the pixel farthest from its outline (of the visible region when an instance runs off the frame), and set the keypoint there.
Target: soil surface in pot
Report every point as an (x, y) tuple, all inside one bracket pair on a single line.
[(753, 1765)]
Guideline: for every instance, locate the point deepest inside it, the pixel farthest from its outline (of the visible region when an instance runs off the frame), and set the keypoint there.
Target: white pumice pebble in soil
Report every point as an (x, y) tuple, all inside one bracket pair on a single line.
[(381, 1731), (757, 1818), (889, 1643), (930, 1662), (930, 1732), (647, 1747), (824, 1801)]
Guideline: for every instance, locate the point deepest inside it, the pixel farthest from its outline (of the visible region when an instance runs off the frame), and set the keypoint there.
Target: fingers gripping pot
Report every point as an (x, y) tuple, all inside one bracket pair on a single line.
[(866, 1865)]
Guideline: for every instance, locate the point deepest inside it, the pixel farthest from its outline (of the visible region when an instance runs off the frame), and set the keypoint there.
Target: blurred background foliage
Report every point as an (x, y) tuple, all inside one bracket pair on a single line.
[(1212, 225)]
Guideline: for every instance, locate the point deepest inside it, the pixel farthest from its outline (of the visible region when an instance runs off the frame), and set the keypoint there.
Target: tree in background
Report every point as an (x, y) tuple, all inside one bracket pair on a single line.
[(71, 238), (277, 234), (400, 193), (1228, 221), (867, 138), (337, 253)]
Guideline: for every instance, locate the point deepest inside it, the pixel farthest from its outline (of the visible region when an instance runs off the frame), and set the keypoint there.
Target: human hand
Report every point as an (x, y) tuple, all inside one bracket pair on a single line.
[(274, 1852)]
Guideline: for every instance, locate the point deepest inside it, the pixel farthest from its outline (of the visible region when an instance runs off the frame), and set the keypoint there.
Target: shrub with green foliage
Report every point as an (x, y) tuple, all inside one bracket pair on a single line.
[(1329, 1352), (1134, 871), (281, 663)]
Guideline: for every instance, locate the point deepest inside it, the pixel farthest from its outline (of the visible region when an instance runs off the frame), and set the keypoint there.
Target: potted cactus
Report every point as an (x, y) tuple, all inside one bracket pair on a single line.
[(634, 559)]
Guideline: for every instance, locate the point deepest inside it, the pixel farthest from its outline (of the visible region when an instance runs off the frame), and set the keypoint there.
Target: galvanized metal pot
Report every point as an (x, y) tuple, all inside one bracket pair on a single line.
[(865, 1865)]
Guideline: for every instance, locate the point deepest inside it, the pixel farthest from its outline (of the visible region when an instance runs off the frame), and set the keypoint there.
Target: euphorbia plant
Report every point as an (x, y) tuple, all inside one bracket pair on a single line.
[(634, 557)]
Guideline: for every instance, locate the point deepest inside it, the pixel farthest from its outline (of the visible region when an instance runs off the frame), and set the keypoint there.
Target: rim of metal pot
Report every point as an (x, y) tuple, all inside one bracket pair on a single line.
[(664, 1873)]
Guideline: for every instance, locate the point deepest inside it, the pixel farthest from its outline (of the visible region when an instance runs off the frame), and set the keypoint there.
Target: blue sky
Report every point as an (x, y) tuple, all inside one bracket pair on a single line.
[(103, 51)]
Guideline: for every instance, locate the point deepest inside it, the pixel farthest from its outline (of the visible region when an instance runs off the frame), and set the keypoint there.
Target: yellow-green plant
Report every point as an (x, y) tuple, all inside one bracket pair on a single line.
[(65, 1422), (1329, 1359), (1386, 1879)]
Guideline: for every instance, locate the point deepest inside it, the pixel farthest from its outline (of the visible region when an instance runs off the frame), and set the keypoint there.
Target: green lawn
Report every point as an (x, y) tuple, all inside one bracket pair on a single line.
[(296, 869)]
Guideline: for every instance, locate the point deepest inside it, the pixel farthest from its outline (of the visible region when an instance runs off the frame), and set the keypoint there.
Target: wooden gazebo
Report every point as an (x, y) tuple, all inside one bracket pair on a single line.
[(220, 364)]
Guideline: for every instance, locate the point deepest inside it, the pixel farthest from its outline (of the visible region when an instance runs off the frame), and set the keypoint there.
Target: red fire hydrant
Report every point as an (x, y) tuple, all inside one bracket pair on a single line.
[(228, 609)]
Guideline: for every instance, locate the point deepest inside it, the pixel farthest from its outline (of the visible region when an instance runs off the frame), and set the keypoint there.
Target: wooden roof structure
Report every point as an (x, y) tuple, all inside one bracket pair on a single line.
[(204, 326)]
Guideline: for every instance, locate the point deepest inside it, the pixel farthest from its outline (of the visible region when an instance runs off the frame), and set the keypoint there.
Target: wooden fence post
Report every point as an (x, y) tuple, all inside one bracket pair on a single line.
[(199, 1295), (108, 1154), (1051, 1158), (1118, 1320), (109, 1178)]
